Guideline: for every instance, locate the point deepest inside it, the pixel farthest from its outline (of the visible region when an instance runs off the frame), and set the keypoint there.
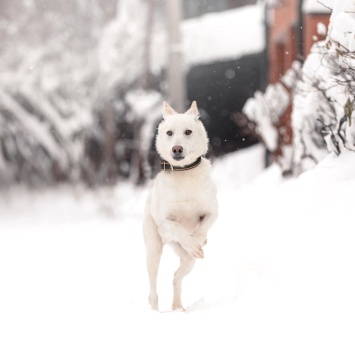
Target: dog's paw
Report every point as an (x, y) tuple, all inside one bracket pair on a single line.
[(193, 247), (153, 301), (177, 306), (202, 239)]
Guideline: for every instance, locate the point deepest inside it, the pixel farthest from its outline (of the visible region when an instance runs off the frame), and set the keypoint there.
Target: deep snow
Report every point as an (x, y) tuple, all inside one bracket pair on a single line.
[(277, 278)]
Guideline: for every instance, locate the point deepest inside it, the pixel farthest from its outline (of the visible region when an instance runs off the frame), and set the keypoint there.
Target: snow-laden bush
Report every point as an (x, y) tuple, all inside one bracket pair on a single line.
[(324, 101), (266, 109), (322, 97)]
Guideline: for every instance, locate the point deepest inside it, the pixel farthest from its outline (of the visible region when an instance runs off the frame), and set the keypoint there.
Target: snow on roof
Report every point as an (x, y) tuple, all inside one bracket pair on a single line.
[(215, 37), (224, 35), (317, 6)]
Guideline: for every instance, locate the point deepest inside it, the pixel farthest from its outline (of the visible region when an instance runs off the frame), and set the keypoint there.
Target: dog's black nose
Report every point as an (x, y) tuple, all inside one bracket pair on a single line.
[(177, 150)]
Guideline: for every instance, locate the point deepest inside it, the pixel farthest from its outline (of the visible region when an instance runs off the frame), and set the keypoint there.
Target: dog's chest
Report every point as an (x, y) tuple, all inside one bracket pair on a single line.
[(185, 208), (184, 197)]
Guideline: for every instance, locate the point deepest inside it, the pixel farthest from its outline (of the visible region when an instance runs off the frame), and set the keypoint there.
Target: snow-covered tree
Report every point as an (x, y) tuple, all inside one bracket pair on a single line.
[(67, 78), (46, 71), (118, 142)]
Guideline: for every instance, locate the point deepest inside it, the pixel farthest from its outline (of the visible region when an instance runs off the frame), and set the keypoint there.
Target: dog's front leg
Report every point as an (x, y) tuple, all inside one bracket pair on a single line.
[(172, 231), (206, 220)]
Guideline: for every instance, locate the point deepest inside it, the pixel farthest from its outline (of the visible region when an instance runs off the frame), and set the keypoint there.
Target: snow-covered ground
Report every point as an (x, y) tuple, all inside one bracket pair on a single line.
[(277, 278)]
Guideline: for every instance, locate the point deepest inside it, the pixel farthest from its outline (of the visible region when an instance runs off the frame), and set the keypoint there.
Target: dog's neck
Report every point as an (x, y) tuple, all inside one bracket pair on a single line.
[(167, 167)]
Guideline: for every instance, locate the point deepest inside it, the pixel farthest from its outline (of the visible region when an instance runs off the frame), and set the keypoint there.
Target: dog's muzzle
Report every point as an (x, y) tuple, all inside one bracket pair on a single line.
[(178, 153)]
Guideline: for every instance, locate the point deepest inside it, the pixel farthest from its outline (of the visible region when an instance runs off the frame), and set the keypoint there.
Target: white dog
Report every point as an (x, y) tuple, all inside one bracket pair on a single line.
[(182, 204)]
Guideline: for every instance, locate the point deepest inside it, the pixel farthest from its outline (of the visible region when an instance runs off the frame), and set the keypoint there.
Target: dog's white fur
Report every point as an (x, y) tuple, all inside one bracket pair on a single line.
[(182, 205)]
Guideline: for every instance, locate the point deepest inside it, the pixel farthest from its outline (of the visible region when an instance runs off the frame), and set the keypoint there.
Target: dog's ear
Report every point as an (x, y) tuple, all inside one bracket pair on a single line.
[(167, 110), (193, 110)]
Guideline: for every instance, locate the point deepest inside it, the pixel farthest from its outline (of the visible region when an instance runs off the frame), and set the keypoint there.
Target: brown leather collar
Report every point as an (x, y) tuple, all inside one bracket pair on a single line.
[(167, 167)]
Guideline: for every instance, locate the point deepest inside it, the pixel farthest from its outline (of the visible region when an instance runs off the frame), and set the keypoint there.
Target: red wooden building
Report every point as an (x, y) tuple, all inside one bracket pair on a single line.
[(292, 28)]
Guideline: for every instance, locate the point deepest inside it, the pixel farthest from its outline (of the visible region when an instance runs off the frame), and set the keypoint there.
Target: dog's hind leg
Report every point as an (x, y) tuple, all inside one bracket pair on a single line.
[(187, 263), (154, 249)]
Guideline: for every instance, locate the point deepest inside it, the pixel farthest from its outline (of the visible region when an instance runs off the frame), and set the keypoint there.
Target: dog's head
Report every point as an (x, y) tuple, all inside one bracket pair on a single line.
[(181, 138)]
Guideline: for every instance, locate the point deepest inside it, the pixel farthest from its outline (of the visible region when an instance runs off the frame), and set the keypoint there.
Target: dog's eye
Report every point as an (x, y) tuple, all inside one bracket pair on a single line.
[(169, 133), (188, 132)]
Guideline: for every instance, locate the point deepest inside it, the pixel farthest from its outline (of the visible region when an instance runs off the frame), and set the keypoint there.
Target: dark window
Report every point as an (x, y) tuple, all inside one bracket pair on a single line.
[(200, 7)]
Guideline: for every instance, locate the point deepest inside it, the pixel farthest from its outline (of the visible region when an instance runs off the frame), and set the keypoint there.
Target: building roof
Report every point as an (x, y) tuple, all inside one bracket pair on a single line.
[(317, 6), (216, 37)]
